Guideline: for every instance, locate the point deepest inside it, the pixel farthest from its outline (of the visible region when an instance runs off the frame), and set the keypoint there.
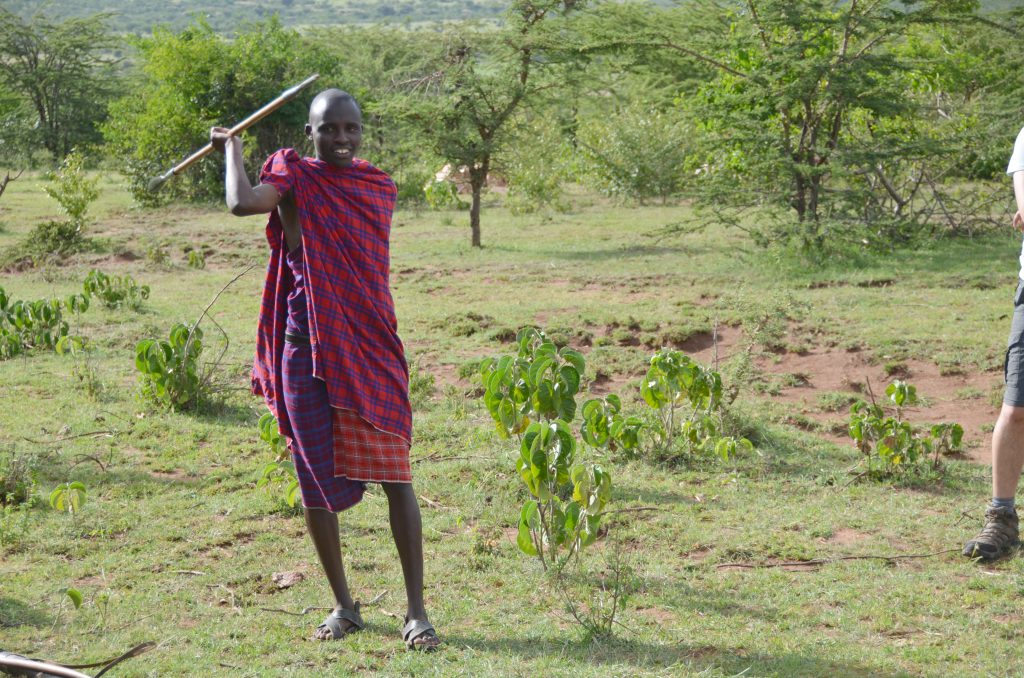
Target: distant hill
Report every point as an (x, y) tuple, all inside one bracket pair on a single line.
[(139, 16)]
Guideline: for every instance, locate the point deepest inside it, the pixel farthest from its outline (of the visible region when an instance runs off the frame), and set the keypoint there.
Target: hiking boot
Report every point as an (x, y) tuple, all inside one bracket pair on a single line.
[(997, 537)]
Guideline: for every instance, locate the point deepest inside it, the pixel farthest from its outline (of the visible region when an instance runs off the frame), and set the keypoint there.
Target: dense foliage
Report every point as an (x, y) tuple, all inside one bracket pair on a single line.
[(842, 124)]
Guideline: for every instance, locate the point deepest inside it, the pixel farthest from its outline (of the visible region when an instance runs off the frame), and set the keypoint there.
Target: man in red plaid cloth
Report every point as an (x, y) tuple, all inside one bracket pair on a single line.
[(329, 361)]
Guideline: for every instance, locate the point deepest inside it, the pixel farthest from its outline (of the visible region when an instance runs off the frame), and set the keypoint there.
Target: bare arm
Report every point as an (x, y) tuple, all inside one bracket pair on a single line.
[(1018, 192), (242, 197)]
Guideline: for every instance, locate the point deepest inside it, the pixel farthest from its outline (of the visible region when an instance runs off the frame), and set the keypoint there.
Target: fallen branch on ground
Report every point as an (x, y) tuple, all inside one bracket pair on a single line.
[(818, 562), (13, 661), (306, 610), (109, 433), (434, 457)]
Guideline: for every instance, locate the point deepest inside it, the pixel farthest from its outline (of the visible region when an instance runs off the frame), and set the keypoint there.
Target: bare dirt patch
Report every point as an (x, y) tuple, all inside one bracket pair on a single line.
[(945, 397), (657, 614), (846, 536)]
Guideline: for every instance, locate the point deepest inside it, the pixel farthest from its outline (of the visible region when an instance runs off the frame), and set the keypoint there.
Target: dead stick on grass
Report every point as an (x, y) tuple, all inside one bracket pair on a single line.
[(433, 504), (306, 610), (634, 509), (435, 458), (818, 562), (110, 433), (80, 458)]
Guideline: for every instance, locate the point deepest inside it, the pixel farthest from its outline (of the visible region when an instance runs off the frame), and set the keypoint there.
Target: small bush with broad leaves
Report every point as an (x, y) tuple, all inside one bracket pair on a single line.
[(280, 471), (891, 445), (115, 291), (68, 497), (532, 395), (604, 426), (688, 399), (169, 370), (26, 325)]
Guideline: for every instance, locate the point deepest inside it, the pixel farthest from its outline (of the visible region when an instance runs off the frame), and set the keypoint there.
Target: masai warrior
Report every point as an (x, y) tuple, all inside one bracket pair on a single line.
[(329, 361)]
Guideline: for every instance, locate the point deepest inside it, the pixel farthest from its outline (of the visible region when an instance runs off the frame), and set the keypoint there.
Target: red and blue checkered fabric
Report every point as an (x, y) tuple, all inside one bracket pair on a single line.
[(362, 452), (313, 443), (345, 214)]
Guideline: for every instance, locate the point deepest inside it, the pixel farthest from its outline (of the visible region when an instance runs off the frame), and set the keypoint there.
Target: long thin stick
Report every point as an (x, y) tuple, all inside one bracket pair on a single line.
[(818, 562), (281, 100)]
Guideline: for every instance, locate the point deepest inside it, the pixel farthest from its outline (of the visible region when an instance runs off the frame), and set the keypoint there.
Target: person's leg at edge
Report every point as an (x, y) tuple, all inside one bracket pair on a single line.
[(1007, 452), (323, 530), (407, 530), (1000, 533)]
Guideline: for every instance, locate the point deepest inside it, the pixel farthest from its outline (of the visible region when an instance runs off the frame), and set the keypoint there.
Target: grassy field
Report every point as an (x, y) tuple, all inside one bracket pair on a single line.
[(176, 545)]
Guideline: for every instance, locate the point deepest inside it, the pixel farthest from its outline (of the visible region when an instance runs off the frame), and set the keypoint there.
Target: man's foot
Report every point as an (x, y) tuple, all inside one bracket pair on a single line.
[(999, 535), (339, 624), (420, 635)]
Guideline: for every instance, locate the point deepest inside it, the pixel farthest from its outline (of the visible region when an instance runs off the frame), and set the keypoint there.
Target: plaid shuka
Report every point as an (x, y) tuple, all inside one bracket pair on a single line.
[(313, 445), (362, 452), (345, 214)]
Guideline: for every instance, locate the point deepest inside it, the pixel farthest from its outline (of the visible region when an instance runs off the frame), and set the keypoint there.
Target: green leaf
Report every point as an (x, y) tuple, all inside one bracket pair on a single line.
[(528, 517), (574, 358), (76, 597), (292, 496)]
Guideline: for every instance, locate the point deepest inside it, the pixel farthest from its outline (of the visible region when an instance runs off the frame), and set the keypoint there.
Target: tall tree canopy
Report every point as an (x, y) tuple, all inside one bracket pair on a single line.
[(58, 79)]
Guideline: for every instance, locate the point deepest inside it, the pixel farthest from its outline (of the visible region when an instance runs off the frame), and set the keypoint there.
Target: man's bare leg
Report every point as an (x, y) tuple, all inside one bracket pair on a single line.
[(323, 530), (407, 530), (1007, 451)]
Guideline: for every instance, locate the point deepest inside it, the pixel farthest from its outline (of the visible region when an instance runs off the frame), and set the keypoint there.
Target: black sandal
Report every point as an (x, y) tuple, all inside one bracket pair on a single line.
[(415, 630), (334, 619)]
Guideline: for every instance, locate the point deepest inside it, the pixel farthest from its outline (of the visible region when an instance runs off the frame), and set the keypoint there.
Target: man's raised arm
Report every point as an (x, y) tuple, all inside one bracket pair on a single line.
[(242, 197)]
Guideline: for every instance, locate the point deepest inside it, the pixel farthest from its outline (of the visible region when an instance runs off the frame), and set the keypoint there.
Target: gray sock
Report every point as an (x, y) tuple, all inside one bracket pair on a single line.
[(1009, 503)]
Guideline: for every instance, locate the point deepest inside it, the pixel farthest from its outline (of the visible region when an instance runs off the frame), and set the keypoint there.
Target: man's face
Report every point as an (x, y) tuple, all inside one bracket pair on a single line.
[(336, 130)]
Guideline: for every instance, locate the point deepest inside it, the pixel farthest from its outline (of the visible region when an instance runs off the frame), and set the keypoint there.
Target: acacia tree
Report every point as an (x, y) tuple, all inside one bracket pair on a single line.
[(62, 76), (810, 110), (481, 80)]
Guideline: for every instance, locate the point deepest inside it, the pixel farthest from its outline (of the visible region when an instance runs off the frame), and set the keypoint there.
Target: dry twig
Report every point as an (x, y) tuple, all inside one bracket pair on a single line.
[(818, 562)]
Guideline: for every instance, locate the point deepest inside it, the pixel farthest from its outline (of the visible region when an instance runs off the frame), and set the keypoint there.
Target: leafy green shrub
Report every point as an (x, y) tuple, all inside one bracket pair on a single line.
[(891, 445), (55, 237), (532, 395), (170, 371), (26, 325), (441, 194), (115, 291), (637, 154), (537, 169), (604, 425), (280, 471), (157, 254), (688, 399), (412, 185), (74, 192)]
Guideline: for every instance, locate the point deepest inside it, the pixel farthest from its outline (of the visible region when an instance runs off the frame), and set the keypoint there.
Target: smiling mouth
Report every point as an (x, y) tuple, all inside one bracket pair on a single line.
[(343, 152)]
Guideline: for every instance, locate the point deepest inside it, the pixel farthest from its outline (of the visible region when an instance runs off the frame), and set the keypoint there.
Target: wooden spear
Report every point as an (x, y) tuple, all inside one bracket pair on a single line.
[(156, 182)]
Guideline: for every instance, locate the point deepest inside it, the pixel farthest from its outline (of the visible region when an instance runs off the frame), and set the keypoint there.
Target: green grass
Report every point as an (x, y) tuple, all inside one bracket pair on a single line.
[(176, 545)]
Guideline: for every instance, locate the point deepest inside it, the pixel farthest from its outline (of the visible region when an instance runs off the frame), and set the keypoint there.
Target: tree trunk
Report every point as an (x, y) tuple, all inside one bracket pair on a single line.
[(474, 210), (477, 179)]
